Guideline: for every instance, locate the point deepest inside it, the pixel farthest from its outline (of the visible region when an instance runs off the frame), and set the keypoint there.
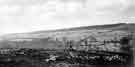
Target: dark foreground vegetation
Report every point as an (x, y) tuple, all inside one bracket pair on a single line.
[(61, 58)]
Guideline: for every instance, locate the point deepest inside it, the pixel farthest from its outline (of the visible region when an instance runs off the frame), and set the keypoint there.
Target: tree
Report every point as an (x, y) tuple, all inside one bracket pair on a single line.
[(125, 43)]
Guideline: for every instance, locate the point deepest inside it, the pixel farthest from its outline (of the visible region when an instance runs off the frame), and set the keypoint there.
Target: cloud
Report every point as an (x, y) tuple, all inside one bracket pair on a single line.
[(111, 6), (113, 11), (22, 2), (116, 7)]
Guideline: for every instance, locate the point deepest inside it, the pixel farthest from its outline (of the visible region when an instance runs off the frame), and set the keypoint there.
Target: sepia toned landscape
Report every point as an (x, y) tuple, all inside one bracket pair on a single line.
[(89, 46)]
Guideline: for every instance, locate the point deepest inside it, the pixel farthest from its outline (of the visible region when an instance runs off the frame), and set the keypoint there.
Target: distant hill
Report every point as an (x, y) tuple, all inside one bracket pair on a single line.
[(119, 26), (113, 27), (123, 26), (56, 38)]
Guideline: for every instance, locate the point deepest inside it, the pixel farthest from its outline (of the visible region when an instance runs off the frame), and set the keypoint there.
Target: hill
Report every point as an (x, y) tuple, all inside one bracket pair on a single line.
[(59, 38), (38, 34)]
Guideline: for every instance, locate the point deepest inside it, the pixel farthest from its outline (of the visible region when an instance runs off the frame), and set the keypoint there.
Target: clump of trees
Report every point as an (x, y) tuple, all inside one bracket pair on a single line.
[(125, 43)]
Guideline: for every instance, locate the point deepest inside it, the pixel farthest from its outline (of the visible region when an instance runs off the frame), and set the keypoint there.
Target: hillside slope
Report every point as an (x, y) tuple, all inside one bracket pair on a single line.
[(58, 38), (38, 34)]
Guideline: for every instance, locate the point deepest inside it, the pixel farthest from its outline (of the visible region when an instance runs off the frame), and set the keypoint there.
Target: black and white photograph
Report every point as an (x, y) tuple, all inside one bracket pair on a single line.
[(67, 33)]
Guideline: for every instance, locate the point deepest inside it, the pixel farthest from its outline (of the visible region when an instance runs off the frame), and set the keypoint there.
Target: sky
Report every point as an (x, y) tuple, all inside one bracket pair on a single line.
[(17, 16)]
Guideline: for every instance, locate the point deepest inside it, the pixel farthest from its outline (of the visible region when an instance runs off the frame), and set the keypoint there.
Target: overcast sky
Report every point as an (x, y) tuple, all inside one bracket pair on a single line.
[(18, 16)]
